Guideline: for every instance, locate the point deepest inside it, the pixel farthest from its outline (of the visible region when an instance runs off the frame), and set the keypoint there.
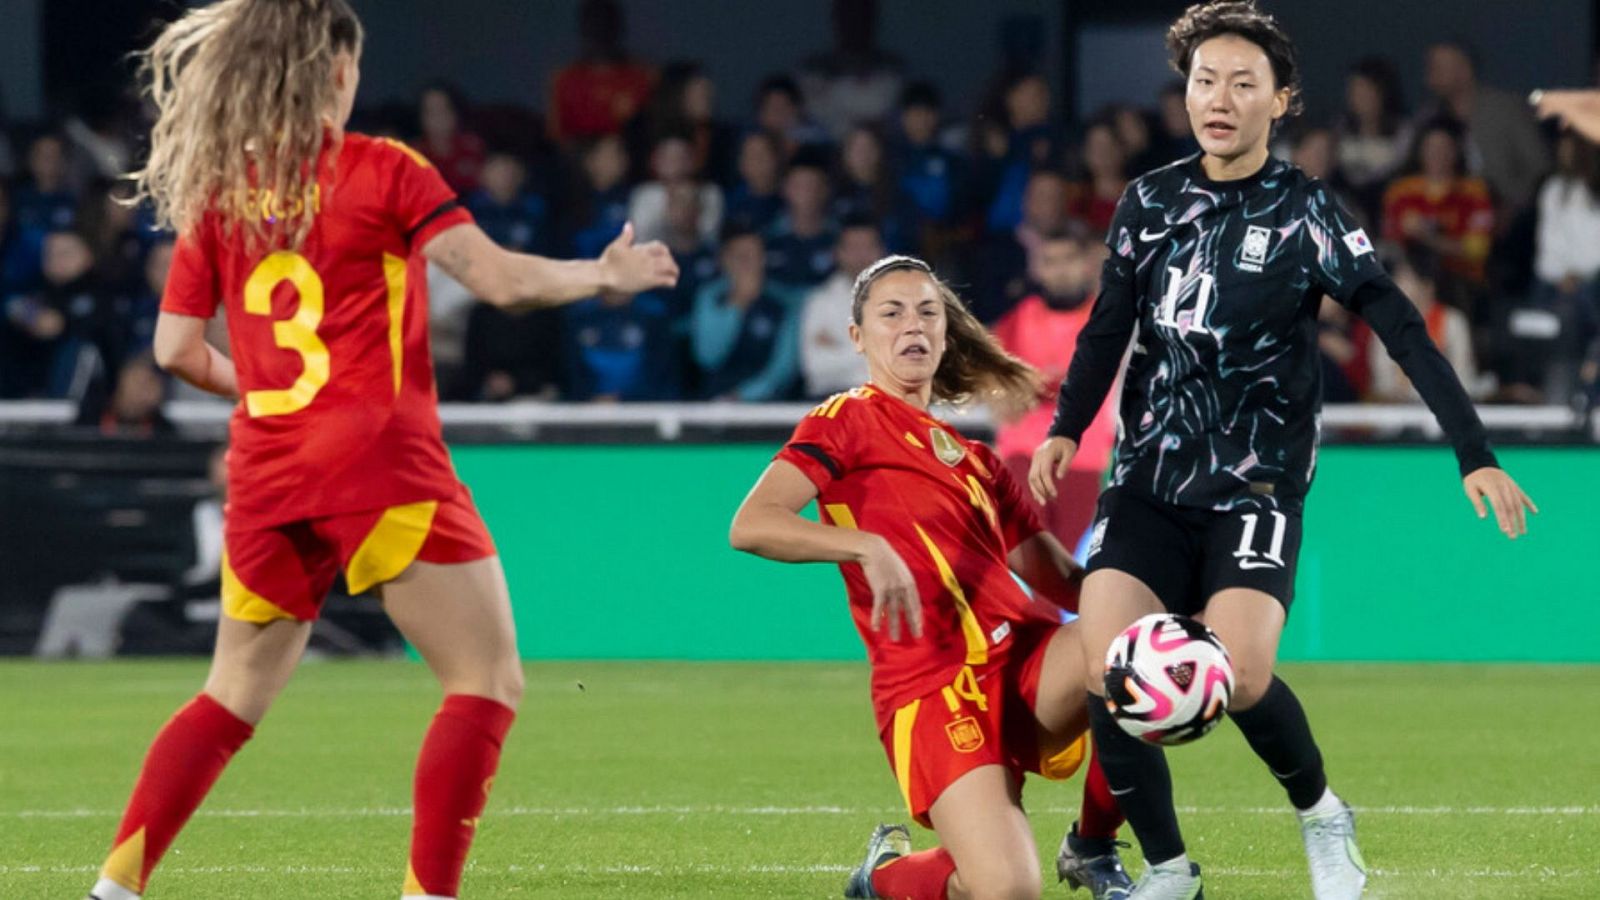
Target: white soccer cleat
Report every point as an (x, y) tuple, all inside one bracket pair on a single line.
[(1175, 879), (106, 889), (1337, 870)]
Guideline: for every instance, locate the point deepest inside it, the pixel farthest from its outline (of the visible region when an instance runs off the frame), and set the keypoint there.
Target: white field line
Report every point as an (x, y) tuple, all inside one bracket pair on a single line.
[(758, 811), (1534, 872)]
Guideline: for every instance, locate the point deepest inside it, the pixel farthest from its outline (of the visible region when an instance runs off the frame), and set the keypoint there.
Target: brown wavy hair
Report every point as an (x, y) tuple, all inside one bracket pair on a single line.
[(974, 366), (240, 89)]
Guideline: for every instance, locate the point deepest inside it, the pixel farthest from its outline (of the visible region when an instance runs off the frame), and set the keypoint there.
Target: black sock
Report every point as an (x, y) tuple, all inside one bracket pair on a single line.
[(1277, 730), (1137, 773)]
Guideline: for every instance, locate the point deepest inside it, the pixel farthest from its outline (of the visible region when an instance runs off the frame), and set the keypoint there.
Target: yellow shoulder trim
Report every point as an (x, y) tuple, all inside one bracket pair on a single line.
[(408, 150)]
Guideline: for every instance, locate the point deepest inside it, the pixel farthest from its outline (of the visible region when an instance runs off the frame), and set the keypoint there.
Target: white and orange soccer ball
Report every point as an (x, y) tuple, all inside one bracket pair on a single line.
[(1168, 679)]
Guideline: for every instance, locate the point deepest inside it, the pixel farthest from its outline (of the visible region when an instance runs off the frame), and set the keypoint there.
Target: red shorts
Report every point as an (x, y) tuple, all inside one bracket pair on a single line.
[(285, 572), (984, 717)]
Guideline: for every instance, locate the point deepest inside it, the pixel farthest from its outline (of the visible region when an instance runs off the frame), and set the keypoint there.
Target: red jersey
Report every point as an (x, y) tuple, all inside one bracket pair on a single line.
[(1462, 211), (338, 409), (951, 511)]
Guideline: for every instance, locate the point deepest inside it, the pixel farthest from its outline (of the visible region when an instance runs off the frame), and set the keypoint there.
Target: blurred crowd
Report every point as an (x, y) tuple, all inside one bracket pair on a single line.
[(1488, 221)]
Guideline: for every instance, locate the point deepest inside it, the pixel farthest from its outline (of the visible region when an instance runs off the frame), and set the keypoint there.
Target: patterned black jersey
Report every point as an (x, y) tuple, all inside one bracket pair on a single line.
[(1218, 283)]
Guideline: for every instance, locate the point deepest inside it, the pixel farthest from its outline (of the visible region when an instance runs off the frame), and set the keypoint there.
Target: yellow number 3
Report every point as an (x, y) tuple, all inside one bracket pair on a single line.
[(297, 333)]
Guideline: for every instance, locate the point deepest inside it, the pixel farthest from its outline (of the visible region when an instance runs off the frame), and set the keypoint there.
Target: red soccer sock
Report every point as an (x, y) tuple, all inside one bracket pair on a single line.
[(923, 875), (454, 772), (1101, 816), (184, 761)]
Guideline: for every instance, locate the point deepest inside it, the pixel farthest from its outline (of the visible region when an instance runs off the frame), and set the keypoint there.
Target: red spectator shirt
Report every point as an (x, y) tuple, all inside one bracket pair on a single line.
[(461, 163), (338, 411), (951, 511), (1462, 211), (590, 99)]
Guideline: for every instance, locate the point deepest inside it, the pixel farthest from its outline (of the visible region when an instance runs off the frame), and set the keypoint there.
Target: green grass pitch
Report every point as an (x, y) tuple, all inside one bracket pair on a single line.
[(763, 780)]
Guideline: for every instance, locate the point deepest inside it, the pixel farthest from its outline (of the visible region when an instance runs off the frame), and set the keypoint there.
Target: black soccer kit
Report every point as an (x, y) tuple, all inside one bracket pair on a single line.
[(1218, 285)]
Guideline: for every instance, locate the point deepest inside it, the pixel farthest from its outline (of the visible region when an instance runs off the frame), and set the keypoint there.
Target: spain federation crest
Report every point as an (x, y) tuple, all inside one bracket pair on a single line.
[(965, 734), (947, 448)]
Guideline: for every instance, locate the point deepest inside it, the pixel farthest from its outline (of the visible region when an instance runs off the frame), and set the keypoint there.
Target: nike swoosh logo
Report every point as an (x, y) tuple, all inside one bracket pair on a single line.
[(1252, 564), (1146, 234), (1122, 793)]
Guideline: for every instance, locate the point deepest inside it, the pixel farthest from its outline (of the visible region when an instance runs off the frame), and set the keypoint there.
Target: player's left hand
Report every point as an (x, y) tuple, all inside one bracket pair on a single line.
[(1579, 110), (1511, 505), (631, 268)]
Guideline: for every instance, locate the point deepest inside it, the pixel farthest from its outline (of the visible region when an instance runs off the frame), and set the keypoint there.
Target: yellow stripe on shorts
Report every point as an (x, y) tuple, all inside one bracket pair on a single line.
[(905, 720), (243, 604), (391, 545)]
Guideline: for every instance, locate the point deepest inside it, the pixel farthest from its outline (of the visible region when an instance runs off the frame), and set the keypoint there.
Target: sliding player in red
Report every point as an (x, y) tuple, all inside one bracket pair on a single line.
[(315, 242), (972, 680)]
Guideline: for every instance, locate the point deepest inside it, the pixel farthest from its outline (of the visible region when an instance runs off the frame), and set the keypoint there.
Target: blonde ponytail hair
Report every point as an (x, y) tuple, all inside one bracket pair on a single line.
[(241, 88)]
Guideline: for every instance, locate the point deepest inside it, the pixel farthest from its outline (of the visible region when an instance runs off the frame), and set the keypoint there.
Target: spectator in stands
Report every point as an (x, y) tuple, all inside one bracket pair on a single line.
[(929, 173), (604, 88), (684, 103), (867, 189), (672, 163), (112, 230), (600, 210), (781, 112), (697, 265), (829, 360), (799, 251), (507, 355), (745, 334), (619, 347), (1174, 139), (1567, 260), (1092, 199), (1416, 273), (444, 139), (44, 201), (1342, 341), (856, 82), (55, 333), (137, 309), (1502, 141), (1440, 207), (756, 198), (1133, 130), (1042, 330), (1002, 268), (102, 135), (513, 216), (130, 405), (1029, 141), (1314, 149), (1374, 135)]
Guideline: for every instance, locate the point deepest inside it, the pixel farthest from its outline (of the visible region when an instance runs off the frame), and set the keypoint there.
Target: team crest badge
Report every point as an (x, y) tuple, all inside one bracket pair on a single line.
[(965, 735), (947, 448), (1253, 251)]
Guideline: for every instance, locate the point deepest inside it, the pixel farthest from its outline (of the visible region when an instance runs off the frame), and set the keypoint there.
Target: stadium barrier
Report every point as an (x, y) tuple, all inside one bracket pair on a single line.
[(618, 549)]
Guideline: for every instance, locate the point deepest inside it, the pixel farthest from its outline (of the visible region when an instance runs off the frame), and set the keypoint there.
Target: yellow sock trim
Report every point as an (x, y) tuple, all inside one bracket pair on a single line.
[(126, 863)]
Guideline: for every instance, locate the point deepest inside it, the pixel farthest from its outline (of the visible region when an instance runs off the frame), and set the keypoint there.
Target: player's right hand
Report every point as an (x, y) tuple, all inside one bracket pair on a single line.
[(1578, 110), (632, 268), (894, 591), (1049, 466)]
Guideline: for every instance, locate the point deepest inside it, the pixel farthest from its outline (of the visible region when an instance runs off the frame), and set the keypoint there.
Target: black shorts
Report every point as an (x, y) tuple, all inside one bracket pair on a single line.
[(1187, 555)]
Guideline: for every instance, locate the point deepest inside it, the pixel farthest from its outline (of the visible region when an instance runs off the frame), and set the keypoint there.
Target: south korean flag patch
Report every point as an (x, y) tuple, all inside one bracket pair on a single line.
[(1357, 242)]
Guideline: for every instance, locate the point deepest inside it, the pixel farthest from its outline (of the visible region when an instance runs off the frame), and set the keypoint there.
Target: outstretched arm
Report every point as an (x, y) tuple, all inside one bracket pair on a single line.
[(1046, 566), (769, 524), (1395, 320), (522, 280)]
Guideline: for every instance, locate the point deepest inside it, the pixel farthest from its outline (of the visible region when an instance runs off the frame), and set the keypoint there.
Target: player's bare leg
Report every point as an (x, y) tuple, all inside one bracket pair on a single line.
[(980, 822), (249, 668), (1088, 859), (459, 618), (1250, 622)]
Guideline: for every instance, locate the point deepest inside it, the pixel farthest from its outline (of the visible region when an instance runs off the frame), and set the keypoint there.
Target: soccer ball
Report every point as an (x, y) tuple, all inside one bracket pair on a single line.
[(1168, 679)]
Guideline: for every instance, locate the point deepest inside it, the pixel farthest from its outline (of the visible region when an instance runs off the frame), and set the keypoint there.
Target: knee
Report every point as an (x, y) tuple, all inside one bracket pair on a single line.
[(499, 680), (1250, 683), (508, 683), (1011, 885)]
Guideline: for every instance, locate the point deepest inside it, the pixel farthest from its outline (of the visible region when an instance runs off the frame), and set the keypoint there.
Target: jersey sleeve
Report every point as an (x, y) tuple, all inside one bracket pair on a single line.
[(420, 201), (823, 446), (1339, 256), (193, 287), (1019, 519)]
